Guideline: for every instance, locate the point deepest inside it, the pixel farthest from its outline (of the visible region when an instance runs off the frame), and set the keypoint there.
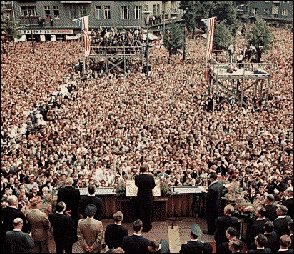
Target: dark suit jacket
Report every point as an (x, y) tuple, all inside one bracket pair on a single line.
[(114, 235), (192, 247), (19, 242), (8, 214), (222, 224), (281, 225), (256, 228), (213, 197), (292, 242), (273, 241), (63, 227), (135, 244), (145, 184), (86, 200), (71, 197), (271, 212), (289, 204)]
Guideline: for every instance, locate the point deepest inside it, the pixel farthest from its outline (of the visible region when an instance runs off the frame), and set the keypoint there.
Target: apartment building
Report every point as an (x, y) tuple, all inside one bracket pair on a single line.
[(55, 18)]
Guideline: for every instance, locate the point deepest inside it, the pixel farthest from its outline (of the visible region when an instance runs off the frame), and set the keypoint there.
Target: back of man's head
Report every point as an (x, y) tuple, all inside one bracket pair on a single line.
[(60, 206), (118, 216), (17, 221), (269, 226), (261, 240), (12, 200), (285, 241), (69, 181), (213, 176), (143, 168), (137, 225), (91, 189), (232, 231), (229, 209)]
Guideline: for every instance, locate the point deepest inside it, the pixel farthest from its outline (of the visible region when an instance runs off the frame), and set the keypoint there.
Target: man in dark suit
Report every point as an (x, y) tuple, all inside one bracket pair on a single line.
[(194, 245), (8, 214), (260, 242), (222, 224), (272, 237), (91, 199), (71, 197), (114, 233), (135, 243), (64, 230), (289, 201), (281, 223), (18, 241), (270, 208), (214, 195), (231, 234), (145, 183), (257, 226)]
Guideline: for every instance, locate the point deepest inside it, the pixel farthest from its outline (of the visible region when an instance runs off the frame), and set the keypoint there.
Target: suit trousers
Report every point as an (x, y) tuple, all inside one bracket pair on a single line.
[(40, 247), (144, 213), (211, 216)]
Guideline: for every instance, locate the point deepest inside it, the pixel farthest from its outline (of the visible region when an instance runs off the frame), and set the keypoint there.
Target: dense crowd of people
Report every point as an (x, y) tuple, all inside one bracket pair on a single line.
[(55, 125)]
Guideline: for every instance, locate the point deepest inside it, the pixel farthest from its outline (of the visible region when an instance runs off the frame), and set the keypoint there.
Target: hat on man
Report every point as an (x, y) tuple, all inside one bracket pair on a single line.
[(90, 210), (196, 230)]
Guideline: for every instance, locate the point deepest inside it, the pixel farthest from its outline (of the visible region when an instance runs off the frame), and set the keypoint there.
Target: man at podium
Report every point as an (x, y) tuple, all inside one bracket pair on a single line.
[(145, 183)]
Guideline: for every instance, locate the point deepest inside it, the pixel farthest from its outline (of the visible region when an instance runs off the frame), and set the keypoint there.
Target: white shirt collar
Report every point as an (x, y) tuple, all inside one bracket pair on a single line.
[(282, 216), (16, 229), (12, 206), (136, 234), (282, 249)]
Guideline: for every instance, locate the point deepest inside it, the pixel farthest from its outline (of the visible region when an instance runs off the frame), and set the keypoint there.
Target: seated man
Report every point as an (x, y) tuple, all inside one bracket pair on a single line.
[(155, 247), (194, 245)]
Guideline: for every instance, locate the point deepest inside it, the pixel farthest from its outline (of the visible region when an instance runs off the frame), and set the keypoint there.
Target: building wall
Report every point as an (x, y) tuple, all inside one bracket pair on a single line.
[(91, 8)]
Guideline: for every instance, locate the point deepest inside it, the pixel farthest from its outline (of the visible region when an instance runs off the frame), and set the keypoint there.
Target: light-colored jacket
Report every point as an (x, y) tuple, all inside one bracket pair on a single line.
[(90, 233), (39, 224)]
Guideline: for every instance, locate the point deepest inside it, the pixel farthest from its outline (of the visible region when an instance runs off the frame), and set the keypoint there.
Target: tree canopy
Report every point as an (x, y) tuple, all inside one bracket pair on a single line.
[(173, 39)]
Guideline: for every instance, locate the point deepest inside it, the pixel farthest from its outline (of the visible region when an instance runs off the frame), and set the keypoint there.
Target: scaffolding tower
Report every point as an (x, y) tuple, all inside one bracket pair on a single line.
[(257, 74), (115, 57)]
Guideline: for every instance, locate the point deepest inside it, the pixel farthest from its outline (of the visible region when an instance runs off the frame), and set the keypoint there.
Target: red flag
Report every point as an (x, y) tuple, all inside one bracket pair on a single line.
[(210, 25), (85, 27)]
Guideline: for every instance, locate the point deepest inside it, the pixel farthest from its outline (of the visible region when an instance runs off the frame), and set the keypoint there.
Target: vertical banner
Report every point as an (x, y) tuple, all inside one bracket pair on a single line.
[(83, 23), (210, 29)]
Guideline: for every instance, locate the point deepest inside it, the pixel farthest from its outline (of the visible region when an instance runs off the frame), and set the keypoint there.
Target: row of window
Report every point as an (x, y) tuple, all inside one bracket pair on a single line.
[(80, 11), (274, 11)]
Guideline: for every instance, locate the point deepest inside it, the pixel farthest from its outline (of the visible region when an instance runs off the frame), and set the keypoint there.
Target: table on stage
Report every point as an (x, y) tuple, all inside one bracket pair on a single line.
[(185, 202)]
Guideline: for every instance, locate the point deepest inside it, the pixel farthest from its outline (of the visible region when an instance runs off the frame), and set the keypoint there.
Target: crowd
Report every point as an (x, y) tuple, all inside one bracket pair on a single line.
[(99, 131)]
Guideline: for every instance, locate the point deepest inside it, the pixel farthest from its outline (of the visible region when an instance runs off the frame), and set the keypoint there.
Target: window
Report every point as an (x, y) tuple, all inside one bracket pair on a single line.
[(47, 11), (98, 12), (125, 12), (138, 12), (284, 12), (56, 12), (83, 11), (254, 11), (154, 9), (266, 11), (158, 9), (73, 12), (28, 10), (107, 12)]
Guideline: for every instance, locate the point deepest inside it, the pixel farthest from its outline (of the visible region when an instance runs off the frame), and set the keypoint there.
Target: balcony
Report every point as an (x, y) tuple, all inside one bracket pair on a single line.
[(7, 7), (75, 2)]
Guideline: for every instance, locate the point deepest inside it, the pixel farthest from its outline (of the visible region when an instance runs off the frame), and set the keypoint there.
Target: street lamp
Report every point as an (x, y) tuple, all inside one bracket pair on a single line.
[(147, 40)]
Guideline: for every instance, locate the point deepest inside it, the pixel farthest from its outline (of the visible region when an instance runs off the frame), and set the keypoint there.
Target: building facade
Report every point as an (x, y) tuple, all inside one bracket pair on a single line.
[(56, 17), (278, 13)]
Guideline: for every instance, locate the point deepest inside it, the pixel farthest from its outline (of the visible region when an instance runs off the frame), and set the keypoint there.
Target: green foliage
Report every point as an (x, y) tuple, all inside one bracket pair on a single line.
[(120, 191), (259, 34), (165, 189), (173, 39), (222, 36)]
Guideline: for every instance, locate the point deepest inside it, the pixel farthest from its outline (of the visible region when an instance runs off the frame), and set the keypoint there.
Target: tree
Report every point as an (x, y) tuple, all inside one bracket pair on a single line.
[(173, 39), (259, 34), (222, 36), (194, 12)]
